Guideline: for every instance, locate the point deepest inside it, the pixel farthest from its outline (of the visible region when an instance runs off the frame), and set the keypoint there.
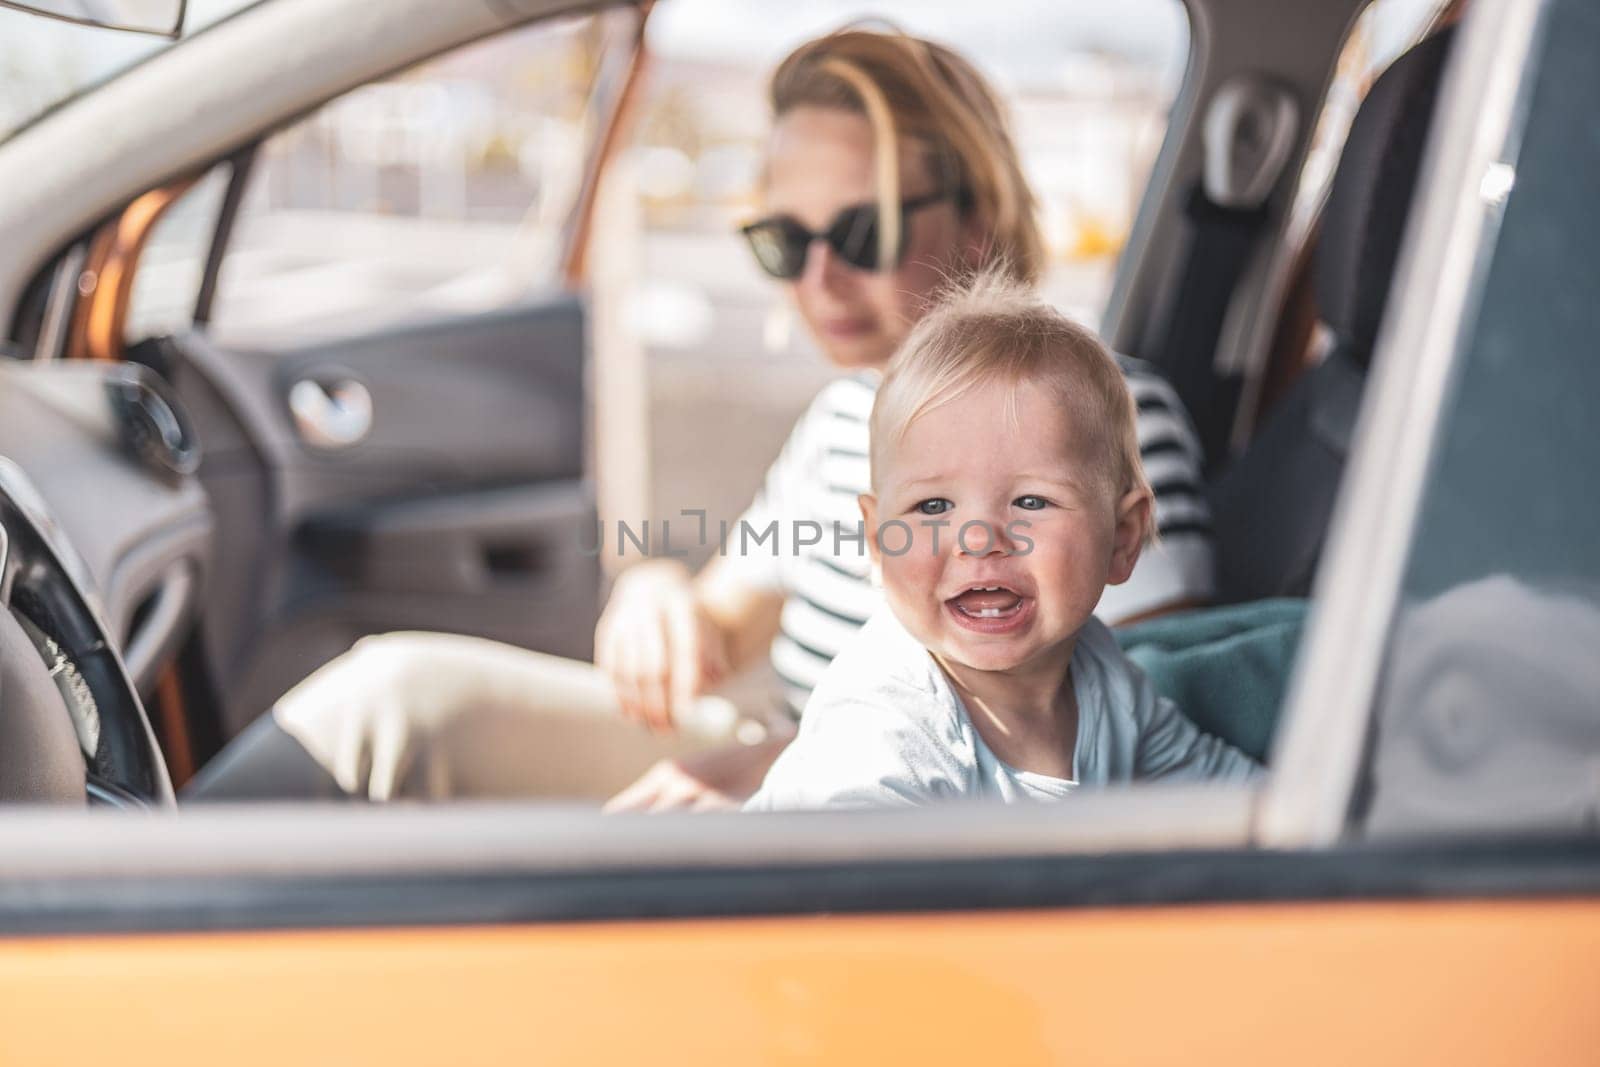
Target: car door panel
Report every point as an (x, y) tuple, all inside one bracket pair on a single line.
[(1398, 957), (486, 398), (463, 508)]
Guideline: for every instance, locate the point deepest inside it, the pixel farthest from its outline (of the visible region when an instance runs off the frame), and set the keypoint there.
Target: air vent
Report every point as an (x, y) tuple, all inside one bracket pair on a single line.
[(154, 428)]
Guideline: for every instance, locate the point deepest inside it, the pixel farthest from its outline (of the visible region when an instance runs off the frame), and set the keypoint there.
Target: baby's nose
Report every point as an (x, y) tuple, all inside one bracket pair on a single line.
[(982, 537)]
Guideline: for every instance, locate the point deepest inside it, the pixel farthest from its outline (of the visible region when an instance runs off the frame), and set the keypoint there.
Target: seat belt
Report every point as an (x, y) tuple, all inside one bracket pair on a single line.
[(1249, 132)]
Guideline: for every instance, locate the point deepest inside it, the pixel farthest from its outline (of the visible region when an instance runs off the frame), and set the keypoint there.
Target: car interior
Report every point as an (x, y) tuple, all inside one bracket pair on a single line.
[(184, 533)]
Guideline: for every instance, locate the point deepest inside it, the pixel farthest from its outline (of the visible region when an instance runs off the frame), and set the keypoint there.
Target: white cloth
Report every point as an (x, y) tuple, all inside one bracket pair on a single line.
[(886, 727), (824, 467)]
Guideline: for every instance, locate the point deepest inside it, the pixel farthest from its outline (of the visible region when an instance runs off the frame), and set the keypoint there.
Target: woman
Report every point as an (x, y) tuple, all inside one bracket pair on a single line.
[(889, 171)]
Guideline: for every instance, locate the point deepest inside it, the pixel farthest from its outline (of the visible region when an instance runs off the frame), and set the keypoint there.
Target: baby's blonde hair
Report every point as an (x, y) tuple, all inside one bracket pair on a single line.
[(991, 329)]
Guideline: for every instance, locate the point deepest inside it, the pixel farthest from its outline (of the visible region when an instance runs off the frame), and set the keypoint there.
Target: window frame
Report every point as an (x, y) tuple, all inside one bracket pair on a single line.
[(314, 842), (242, 164), (271, 868)]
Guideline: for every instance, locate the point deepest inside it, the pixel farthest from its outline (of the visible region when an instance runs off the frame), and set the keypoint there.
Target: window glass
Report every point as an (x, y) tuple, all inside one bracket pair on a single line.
[(1488, 712), (172, 265), (437, 191)]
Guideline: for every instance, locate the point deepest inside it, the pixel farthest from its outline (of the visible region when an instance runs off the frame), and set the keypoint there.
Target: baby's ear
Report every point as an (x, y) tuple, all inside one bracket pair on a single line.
[(869, 525), (869, 522), (1135, 519)]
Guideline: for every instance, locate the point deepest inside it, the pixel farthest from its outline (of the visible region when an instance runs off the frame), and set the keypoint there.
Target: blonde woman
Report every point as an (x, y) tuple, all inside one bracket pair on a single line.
[(889, 171)]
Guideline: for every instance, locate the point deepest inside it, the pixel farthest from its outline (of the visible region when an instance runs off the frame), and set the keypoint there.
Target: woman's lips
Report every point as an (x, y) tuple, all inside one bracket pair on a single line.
[(990, 609), (845, 329)]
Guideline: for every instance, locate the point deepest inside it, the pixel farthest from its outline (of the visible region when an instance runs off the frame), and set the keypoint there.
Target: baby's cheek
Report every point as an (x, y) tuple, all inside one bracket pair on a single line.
[(910, 568), (909, 585), (1071, 558)]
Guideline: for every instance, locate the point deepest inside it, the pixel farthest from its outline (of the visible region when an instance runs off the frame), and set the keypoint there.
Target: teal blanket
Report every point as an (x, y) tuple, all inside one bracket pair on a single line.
[(1227, 667)]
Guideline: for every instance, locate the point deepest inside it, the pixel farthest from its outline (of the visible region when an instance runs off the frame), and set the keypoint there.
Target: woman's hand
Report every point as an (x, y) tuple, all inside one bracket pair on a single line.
[(716, 779), (658, 644)]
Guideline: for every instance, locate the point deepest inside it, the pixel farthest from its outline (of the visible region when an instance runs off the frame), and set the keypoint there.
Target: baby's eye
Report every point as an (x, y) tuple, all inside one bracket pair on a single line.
[(1031, 503), (935, 506)]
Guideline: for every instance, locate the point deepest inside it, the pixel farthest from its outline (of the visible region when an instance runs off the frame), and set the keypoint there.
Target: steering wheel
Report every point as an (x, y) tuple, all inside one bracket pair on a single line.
[(72, 729)]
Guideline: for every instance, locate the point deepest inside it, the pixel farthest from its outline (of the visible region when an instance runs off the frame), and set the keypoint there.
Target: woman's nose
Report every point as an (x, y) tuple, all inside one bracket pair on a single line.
[(823, 268)]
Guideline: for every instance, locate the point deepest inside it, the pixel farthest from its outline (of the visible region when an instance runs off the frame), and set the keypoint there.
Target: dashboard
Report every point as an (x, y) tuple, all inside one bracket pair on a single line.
[(104, 538)]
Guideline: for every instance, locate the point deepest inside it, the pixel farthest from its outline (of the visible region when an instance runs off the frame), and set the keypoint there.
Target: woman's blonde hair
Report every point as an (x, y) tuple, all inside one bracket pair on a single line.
[(992, 329), (916, 91)]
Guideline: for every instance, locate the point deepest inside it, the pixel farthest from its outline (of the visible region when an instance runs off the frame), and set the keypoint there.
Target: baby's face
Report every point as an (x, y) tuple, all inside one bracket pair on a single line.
[(1047, 534)]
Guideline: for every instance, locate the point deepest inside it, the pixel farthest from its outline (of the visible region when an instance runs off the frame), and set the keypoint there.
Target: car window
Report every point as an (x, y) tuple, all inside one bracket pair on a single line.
[(1487, 714), (166, 287), (442, 190), (439, 190)]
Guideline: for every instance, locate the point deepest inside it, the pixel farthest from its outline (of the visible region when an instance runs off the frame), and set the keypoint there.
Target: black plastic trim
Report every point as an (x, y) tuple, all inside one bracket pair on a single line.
[(241, 166), (1390, 873)]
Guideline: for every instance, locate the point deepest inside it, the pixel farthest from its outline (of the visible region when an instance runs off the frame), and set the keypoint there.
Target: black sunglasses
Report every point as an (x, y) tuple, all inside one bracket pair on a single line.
[(780, 242)]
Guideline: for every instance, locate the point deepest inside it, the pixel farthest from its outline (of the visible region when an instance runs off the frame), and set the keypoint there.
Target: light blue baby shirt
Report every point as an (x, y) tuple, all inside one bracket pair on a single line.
[(886, 727)]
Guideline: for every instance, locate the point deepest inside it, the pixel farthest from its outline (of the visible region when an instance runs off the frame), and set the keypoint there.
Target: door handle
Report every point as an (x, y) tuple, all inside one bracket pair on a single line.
[(331, 414)]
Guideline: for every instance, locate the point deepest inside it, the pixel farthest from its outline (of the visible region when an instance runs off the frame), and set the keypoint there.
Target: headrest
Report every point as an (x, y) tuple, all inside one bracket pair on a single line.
[(1365, 215)]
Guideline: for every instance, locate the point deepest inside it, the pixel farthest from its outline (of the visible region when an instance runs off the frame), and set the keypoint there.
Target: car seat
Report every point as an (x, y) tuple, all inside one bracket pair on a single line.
[(1226, 667), (1271, 506)]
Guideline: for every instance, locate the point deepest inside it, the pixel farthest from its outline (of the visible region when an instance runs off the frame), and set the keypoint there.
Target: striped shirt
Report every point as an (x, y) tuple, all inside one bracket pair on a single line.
[(828, 585)]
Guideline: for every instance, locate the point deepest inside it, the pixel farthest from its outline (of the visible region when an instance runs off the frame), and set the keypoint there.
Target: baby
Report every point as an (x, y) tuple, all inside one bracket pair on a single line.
[(1007, 493)]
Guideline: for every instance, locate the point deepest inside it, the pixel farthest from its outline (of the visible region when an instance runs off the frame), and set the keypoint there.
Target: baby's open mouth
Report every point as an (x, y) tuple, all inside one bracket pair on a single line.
[(987, 602)]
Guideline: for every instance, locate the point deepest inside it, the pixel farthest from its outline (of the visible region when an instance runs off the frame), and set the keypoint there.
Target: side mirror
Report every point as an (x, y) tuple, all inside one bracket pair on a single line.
[(162, 17)]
